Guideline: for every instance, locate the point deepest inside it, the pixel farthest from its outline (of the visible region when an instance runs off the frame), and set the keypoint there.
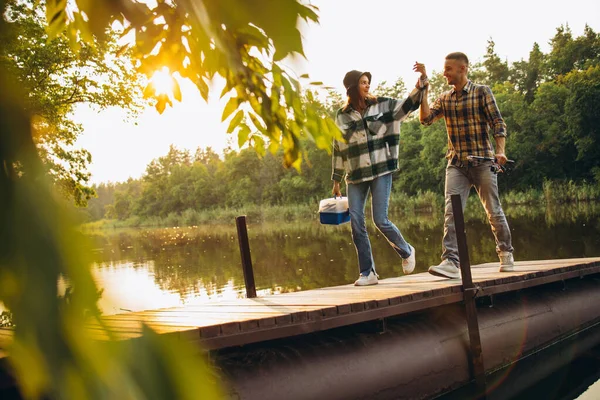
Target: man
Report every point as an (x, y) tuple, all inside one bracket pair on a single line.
[(469, 110)]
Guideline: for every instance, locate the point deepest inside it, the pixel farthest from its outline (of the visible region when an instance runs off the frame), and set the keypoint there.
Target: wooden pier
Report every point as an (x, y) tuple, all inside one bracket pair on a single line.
[(221, 324), (228, 323)]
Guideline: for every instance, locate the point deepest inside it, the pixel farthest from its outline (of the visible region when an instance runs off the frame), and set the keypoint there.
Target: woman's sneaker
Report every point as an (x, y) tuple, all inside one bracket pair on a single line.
[(408, 264), (507, 261), (363, 280), (446, 269)]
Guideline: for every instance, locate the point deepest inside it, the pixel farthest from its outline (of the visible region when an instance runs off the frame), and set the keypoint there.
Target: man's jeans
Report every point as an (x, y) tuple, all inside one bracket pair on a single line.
[(380, 196), (459, 181)]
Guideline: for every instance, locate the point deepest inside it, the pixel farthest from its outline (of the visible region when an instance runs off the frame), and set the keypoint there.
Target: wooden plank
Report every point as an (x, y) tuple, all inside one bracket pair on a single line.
[(329, 323), (523, 284)]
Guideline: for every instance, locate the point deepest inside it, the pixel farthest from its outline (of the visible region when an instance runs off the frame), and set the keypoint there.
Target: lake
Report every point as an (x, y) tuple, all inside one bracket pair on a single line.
[(156, 268)]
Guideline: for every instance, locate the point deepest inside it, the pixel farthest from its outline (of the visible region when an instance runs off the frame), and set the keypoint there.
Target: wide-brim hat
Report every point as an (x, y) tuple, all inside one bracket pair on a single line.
[(351, 78)]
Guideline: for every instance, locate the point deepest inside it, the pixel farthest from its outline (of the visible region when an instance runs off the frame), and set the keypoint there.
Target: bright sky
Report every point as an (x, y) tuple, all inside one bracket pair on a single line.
[(391, 36)]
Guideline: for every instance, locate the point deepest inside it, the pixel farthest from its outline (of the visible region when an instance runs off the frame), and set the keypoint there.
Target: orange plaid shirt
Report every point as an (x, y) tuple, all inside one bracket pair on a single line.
[(469, 120)]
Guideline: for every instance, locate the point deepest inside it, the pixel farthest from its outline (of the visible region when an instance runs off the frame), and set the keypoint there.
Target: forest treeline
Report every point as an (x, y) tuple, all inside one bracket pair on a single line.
[(550, 103)]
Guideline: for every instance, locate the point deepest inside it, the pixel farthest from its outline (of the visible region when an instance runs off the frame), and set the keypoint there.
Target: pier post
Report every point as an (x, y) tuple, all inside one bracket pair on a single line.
[(470, 292), (240, 222)]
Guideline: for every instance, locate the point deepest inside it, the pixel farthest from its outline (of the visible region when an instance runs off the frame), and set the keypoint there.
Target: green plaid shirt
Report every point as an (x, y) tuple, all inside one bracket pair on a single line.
[(468, 120), (370, 148)]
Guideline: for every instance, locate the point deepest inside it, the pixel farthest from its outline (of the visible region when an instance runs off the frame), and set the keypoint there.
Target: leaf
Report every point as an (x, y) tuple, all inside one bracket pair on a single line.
[(257, 123), (243, 135), (309, 12), (176, 89), (273, 147), (83, 28), (73, 42), (203, 88), (226, 89), (230, 107), (162, 102), (149, 91), (235, 121), (56, 17), (288, 92), (122, 50), (276, 71), (253, 37), (259, 145), (304, 76)]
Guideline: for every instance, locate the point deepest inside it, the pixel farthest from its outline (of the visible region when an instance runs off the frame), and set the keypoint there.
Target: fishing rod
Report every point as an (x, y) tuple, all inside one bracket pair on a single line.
[(496, 167)]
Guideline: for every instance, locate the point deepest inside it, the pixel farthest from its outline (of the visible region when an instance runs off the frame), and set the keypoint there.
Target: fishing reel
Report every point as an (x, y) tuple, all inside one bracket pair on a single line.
[(495, 167)]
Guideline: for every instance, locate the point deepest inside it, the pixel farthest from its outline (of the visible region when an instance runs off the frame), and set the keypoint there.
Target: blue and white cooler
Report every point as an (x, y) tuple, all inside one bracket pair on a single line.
[(334, 211)]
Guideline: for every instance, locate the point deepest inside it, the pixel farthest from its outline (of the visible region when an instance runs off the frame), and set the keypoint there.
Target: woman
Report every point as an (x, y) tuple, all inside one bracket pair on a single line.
[(367, 157)]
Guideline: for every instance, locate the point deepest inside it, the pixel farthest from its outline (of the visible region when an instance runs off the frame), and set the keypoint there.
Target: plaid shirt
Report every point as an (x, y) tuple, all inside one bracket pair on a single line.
[(371, 141), (468, 119)]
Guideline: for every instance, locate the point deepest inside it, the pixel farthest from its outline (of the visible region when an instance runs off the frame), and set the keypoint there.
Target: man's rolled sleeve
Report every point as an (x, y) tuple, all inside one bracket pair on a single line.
[(493, 114), (435, 113)]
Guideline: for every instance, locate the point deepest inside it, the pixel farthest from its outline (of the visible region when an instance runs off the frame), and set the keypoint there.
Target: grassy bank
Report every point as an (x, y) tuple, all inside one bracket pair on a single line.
[(427, 202)]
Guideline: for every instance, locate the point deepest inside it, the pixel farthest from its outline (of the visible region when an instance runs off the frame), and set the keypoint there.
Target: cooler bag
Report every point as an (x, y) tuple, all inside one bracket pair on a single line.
[(334, 211)]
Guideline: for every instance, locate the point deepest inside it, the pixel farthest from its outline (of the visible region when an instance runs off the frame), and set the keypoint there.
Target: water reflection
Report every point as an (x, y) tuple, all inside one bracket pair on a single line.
[(149, 269)]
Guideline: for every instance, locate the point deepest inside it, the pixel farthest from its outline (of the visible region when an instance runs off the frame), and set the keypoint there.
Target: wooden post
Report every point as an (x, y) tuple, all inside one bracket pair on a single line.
[(240, 222), (469, 295)]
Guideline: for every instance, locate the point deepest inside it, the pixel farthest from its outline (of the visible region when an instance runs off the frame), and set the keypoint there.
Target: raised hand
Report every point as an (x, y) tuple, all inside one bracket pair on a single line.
[(418, 67)]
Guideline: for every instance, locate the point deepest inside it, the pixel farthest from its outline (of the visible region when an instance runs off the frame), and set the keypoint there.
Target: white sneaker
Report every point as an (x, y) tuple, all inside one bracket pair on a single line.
[(408, 264), (371, 279), (446, 269), (507, 261)]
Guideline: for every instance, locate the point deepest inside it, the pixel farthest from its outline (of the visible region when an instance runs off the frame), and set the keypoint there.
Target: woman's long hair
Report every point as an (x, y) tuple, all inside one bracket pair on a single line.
[(357, 102)]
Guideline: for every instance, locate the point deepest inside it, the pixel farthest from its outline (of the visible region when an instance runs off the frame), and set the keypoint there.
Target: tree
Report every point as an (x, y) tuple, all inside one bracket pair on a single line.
[(582, 114), (52, 353), (238, 40), (568, 53), (396, 91), (56, 79), (528, 75), (496, 69), (541, 148)]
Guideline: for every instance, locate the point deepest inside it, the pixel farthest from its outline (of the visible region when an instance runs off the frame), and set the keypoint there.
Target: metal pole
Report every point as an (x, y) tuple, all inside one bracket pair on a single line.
[(469, 295), (240, 222)]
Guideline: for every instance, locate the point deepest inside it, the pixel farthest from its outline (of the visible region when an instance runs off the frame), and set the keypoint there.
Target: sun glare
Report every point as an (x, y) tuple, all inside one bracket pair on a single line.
[(162, 80)]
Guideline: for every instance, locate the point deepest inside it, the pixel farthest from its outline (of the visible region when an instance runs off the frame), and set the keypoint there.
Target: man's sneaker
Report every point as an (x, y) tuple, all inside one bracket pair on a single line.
[(408, 264), (507, 261), (446, 269), (367, 280)]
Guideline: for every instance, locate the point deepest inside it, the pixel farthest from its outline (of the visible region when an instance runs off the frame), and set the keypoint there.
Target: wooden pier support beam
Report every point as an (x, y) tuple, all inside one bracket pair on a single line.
[(240, 222), (470, 291)]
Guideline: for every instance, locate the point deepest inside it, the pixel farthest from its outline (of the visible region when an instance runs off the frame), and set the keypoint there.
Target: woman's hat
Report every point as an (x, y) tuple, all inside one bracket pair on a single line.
[(351, 79)]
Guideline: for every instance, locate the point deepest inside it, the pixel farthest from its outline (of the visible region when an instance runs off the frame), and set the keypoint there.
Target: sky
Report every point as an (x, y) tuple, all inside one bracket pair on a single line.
[(384, 37)]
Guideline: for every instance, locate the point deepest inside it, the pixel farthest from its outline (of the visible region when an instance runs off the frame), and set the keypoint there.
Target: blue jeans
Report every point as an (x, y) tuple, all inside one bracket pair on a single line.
[(380, 197), (459, 181)]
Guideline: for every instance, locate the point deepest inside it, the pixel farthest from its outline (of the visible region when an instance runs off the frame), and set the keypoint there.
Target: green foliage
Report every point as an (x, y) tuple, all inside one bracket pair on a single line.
[(396, 91), (52, 352), (569, 192), (568, 53), (57, 79), (492, 70), (582, 114), (528, 75), (238, 40)]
